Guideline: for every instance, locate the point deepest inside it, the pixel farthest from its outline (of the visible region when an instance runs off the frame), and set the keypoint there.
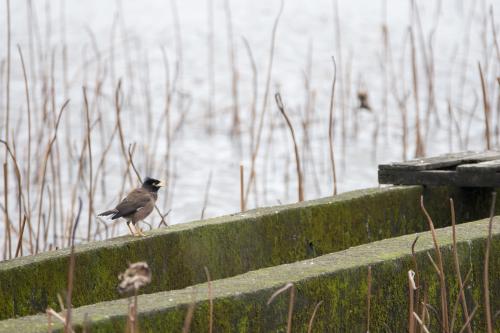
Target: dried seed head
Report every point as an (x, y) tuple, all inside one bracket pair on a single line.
[(135, 277)]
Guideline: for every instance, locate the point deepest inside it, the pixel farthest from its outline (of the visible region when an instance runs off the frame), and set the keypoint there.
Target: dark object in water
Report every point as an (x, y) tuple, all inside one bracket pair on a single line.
[(363, 100)]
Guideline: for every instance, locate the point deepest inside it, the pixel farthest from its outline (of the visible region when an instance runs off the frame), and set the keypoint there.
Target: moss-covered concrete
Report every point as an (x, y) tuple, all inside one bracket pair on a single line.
[(231, 245), (338, 279)]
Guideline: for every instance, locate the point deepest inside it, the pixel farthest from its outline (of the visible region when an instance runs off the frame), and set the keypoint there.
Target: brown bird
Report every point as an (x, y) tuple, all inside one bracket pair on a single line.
[(137, 205)]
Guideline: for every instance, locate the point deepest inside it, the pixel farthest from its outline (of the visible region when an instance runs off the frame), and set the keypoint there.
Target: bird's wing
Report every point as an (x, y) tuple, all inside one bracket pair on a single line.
[(133, 202)]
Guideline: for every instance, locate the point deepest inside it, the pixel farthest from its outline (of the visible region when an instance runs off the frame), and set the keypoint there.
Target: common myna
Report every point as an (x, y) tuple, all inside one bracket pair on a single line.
[(137, 205)]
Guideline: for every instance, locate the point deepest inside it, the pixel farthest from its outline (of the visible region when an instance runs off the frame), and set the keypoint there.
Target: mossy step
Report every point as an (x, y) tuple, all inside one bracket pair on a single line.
[(231, 245), (339, 280)]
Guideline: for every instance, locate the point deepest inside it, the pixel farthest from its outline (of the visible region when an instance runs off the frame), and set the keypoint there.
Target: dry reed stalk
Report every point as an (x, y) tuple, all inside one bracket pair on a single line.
[(49, 321), (205, 199), (470, 318), (7, 125), (91, 171), (290, 310), (439, 268), (411, 300), (127, 51), (424, 313), (210, 301), (415, 266), (419, 148), (385, 72), (21, 198), (331, 123), (287, 286), (428, 62), (457, 300), (51, 313), (28, 112), (19, 248), (55, 159), (338, 39), (242, 188), (457, 270), (130, 310), (118, 109), (368, 299), (311, 321), (434, 311), (255, 85), (234, 69), (494, 32), (105, 151), (7, 85), (268, 150), (466, 46), (7, 243), (486, 106), (46, 220), (135, 322), (255, 150), (281, 107), (149, 165), (420, 321), (497, 52), (44, 171), (71, 271), (189, 318), (32, 21), (450, 126), (210, 66), (68, 228), (169, 89), (178, 38), (486, 283), (21, 202)]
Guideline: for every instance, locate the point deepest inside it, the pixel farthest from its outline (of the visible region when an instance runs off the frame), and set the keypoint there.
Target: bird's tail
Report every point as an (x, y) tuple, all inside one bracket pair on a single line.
[(108, 212)]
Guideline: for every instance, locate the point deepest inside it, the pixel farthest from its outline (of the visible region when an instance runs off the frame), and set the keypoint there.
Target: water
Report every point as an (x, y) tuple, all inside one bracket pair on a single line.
[(113, 40)]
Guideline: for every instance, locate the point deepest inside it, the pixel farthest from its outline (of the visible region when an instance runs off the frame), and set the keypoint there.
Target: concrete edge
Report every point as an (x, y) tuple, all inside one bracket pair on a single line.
[(268, 279)]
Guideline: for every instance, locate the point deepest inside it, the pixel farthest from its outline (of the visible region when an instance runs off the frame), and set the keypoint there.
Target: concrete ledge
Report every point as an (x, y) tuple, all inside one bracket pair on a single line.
[(230, 245), (337, 279)]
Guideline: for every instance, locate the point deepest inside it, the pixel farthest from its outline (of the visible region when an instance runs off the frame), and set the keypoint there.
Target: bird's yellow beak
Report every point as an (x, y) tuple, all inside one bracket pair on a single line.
[(161, 184)]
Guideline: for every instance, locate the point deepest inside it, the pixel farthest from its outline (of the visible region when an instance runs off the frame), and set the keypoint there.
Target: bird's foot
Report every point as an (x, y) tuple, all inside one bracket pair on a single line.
[(139, 233)]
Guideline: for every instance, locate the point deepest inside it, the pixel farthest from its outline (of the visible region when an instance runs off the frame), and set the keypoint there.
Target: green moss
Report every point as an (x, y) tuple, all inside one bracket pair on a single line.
[(338, 279), (230, 245)]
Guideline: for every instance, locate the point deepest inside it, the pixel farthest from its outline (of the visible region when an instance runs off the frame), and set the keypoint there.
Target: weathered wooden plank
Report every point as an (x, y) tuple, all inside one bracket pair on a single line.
[(439, 177), (407, 177), (482, 167), (442, 161)]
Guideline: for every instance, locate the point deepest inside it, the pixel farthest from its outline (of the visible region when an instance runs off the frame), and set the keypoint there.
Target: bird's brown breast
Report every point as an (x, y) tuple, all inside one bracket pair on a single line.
[(143, 212)]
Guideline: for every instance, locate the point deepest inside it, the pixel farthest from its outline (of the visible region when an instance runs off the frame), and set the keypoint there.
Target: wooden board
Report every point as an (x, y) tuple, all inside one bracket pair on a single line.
[(489, 166), (466, 169), (442, 161)]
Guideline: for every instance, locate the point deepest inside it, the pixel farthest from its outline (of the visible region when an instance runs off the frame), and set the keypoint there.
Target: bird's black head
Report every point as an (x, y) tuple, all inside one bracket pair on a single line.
[(152, 185)]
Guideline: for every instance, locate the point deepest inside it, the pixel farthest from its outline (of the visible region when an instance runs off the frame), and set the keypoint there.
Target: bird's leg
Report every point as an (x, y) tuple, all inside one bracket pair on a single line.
[(135, 233), (129, 228), (139, 231)]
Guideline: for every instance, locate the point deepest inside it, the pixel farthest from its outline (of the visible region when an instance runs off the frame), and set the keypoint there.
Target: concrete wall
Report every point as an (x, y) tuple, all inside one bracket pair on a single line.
[(230, 245), (338, 279)]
